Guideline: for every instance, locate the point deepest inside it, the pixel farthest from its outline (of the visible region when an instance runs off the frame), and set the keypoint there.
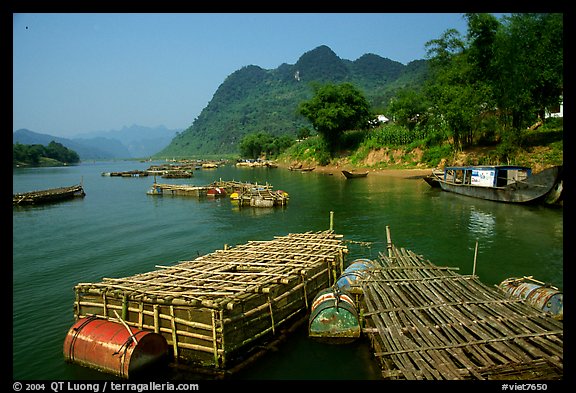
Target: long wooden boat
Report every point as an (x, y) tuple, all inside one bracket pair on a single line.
[(333, 317), (501, 183), (49, 195), (433, 179), (300, 168), (353, 175)]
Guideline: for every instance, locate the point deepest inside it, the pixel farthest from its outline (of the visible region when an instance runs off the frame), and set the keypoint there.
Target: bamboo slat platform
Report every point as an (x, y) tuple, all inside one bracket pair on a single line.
[(218, 308), (264, 197), (429, 322), (199, 191), (49, 195), (178, 189)]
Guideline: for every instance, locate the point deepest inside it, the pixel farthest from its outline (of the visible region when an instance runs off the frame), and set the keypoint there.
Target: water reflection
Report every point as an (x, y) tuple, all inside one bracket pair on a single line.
[(481, 223)]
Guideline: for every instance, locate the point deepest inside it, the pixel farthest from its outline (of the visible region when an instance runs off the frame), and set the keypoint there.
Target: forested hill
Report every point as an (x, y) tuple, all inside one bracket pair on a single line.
[(253, 99)]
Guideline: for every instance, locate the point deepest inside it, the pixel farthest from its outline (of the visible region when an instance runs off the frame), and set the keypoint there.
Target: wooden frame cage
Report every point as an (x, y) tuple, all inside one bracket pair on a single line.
[(214, 310)]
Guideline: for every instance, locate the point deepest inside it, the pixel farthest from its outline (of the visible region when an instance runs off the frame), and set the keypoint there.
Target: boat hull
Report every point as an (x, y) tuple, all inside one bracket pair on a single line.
[(532, 189), (353, 175), (48, 196)]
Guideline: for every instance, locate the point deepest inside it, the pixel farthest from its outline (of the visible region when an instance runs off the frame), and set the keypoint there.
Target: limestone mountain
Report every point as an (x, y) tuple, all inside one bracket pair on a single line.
[(253, 99)]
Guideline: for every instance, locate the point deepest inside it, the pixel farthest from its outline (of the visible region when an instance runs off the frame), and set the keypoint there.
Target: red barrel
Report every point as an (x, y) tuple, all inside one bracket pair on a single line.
[(109, 346)]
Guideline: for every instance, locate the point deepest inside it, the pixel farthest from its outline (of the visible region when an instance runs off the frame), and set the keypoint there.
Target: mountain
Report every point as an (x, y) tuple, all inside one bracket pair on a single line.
[(140, 141), (98, 149), (129, 142), (253, 99)]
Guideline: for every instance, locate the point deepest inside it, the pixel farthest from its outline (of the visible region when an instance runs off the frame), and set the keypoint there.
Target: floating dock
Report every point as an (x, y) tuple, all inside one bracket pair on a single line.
[(48, 196), (429, 322), (217, 310), (230, 186)]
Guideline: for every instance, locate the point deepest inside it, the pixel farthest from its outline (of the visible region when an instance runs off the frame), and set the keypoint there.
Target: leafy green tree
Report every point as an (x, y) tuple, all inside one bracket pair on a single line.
[(258, 144), (31, 154), (456, 95), (529, 60), (335, 108), (60, 153), (408, 108)]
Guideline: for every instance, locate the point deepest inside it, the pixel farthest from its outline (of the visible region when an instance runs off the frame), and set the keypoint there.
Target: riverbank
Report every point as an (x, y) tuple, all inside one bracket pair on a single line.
[(391, 172), (403, 173)]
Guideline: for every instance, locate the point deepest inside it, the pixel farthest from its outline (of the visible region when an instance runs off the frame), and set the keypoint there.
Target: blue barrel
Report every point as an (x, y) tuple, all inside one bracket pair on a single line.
[(348, 281), (543, 297)]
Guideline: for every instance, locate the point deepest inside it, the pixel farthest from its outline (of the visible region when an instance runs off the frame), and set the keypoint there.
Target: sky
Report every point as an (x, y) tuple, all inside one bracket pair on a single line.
[(77, 73)]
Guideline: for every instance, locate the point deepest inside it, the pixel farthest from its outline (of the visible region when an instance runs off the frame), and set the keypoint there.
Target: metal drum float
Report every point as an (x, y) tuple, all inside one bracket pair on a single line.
[(333, 317), (113, 347), (540, 295)]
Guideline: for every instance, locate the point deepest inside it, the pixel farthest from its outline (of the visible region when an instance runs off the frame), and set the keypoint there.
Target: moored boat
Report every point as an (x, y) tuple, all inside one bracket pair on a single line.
[(433, 179), (501, 183), (333, 317), (48, 195), (353, 175)]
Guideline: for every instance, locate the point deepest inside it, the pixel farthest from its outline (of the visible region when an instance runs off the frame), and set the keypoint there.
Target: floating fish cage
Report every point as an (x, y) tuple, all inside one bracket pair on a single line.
[(216, 310)]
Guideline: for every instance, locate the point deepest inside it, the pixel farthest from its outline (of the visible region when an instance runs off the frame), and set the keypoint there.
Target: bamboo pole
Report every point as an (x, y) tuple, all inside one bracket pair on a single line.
[(388, 241), (156, 318), (174, 336), (127, 328), (214, 337), (475, 255), (271, 315)]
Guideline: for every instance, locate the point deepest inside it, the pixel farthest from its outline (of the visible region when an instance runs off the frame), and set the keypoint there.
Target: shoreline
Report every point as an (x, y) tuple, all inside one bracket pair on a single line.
[(392, 172)]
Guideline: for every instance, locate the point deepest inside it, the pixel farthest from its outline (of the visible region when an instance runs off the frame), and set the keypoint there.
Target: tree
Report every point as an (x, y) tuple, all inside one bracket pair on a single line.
[(334, 109), (529, 60), (408, 107)]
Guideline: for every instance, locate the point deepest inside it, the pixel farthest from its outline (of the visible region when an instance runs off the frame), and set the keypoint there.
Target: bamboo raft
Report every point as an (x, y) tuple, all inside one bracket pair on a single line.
[(261, 197), (230, 186), (49, 195), (428, 322), (218, 309), (178, 189)]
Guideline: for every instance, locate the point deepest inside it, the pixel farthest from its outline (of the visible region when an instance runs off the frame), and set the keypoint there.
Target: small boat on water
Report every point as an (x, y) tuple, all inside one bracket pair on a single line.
[(353, 175), (300, 168), (501, 183), (49, 195), (333, 317)]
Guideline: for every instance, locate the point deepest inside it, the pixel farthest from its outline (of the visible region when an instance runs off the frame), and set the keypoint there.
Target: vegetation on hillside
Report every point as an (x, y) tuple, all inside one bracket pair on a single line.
[(491, 88), (35, 155), (488, 91), (253, 100)]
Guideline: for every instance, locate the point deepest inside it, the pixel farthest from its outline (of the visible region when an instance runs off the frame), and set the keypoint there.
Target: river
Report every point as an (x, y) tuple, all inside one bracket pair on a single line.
[(118, 230)]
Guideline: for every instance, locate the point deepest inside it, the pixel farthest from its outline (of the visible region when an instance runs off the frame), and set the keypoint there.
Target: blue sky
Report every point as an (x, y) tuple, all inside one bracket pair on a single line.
[(75, 73)]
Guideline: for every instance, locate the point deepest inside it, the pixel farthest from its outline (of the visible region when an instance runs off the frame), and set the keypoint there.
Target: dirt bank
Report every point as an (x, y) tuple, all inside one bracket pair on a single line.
[(404, 173)]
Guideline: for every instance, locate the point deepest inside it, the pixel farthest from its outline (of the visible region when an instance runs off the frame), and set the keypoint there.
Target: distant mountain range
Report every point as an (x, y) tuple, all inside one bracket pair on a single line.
[(249, 100), (129, 142), (253, 99)]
